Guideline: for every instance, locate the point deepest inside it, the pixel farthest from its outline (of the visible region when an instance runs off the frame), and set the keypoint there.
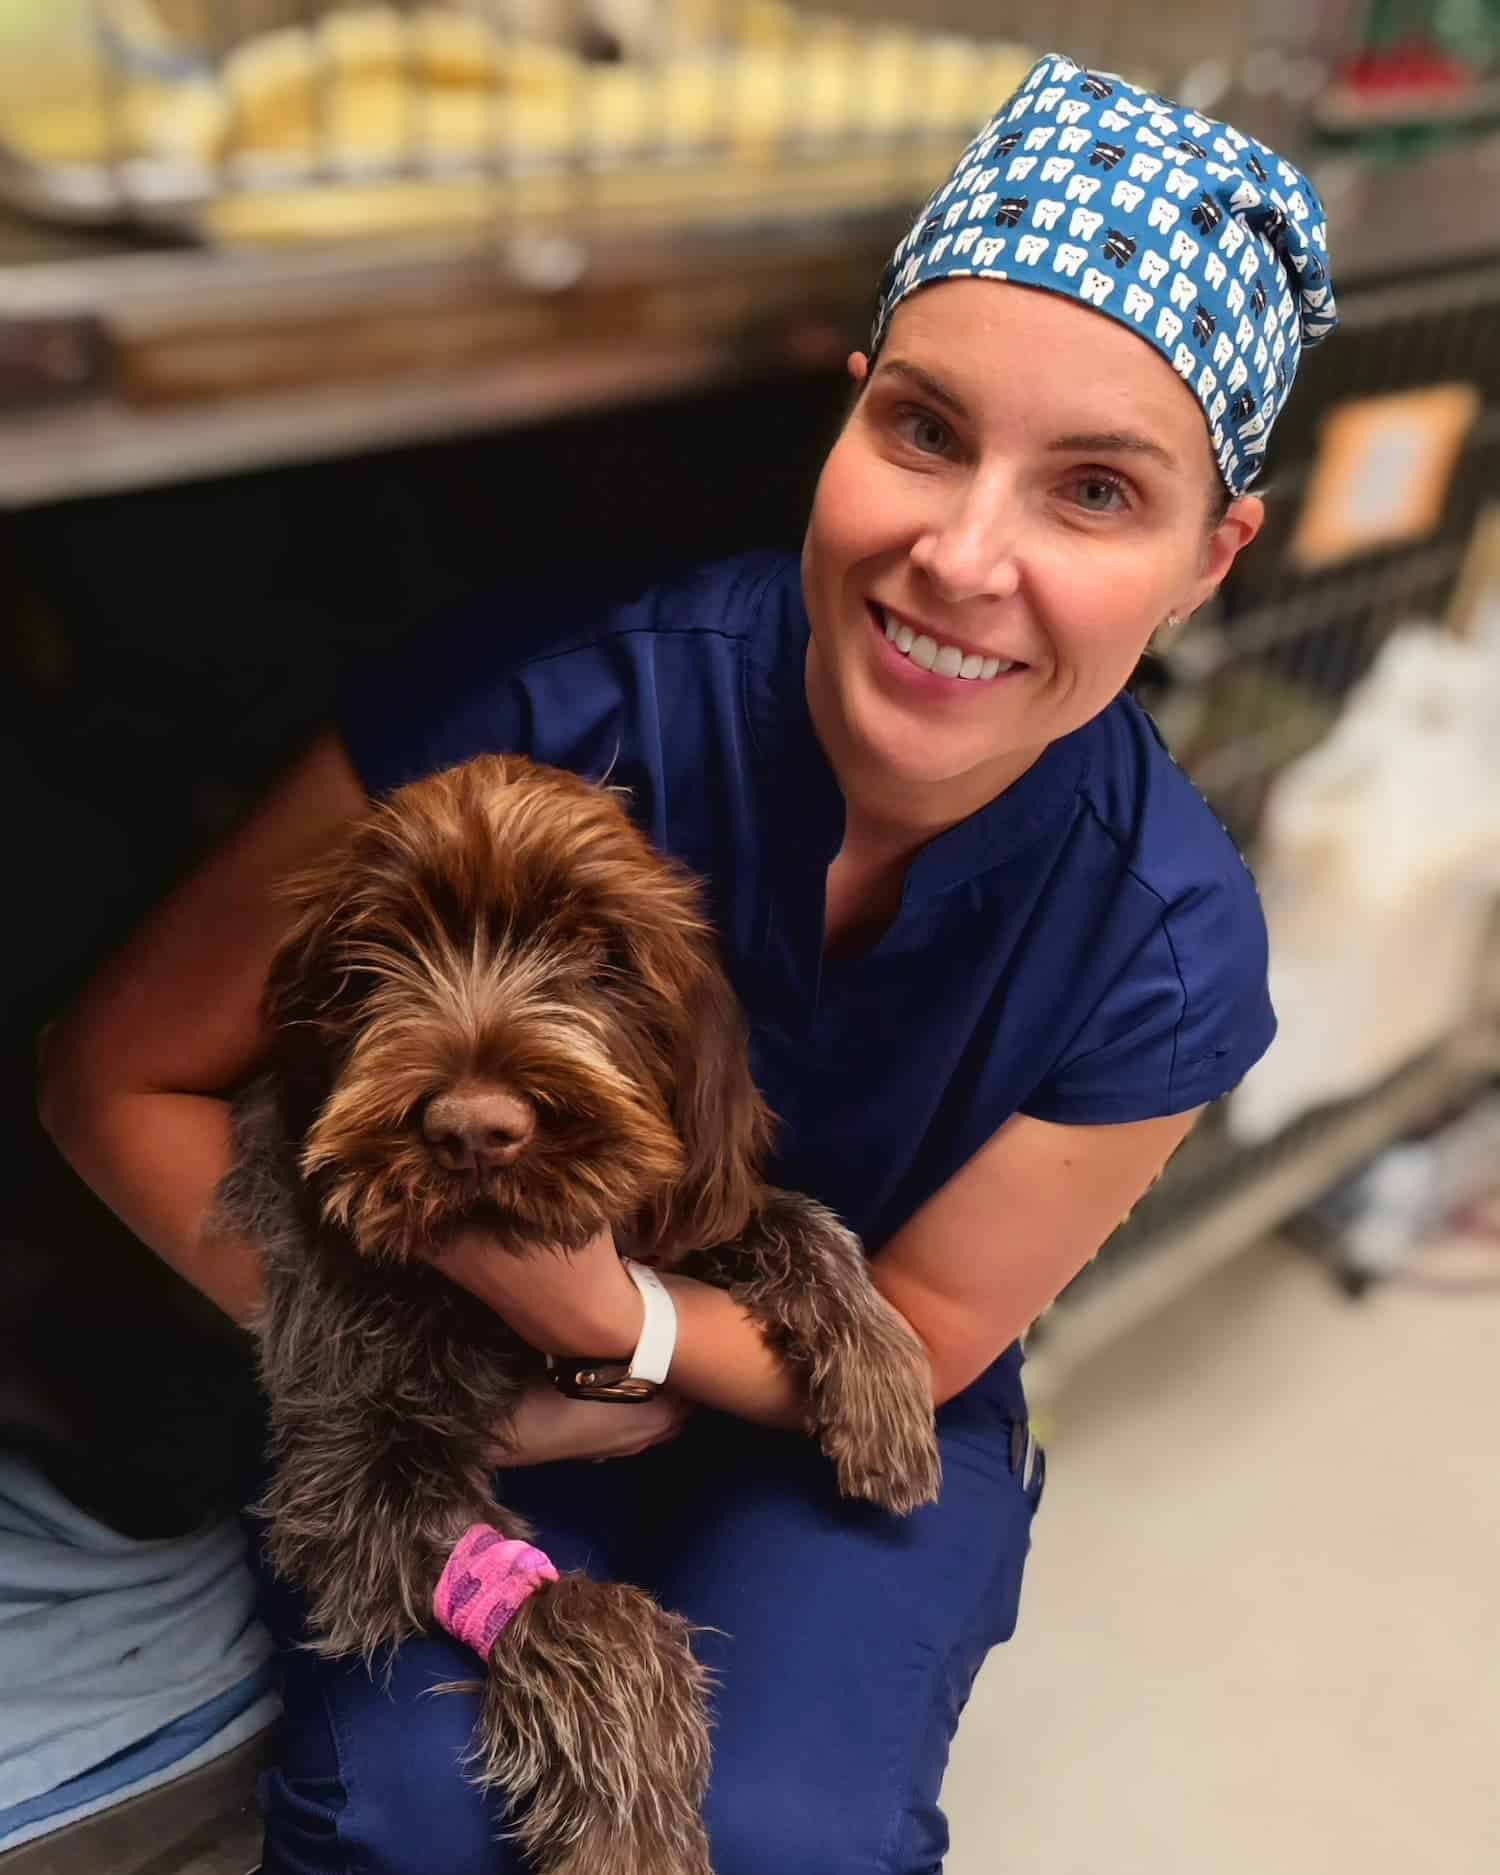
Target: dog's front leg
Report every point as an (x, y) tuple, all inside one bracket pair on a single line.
[(595, 1726), (593, 1718), (806, 1280), (368, 1494)]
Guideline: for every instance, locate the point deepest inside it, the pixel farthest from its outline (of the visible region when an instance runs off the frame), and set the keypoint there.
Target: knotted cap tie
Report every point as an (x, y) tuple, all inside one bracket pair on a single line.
[(1198, 238)]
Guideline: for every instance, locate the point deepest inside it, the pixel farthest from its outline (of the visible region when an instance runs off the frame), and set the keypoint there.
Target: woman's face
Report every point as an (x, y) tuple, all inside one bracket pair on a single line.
[(1022, 490)]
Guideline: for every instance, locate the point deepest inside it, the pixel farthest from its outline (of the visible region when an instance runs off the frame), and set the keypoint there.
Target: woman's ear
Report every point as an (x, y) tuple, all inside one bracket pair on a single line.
[(1242, 521), (859, 368)]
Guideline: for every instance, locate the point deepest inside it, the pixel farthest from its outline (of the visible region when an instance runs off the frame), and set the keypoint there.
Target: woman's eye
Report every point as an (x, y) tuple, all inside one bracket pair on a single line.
[(1100, 494), (925, 433)]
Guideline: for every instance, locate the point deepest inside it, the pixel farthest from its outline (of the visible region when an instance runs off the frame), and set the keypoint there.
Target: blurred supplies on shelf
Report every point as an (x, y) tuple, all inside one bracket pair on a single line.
[(236, 122), (1379, 867), (1427, 1208), (1421, 73), (241, 233)]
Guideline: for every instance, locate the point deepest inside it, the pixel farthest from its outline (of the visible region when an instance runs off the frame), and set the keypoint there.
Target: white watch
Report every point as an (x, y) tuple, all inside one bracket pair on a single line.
[(643, 1375)]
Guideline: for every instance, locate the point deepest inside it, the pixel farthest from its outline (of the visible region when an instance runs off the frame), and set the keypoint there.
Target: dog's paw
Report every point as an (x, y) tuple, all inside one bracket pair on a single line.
[(875, 1422), (608, 1854), (900, 1473), (595, 1725)]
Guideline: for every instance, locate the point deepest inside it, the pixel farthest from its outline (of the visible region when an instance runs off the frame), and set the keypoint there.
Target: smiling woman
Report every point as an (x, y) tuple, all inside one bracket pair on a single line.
[(1043, 522), (994, 952)]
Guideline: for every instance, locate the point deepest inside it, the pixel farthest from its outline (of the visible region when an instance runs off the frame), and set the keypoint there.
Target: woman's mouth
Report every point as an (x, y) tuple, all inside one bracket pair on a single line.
[(931, 654)]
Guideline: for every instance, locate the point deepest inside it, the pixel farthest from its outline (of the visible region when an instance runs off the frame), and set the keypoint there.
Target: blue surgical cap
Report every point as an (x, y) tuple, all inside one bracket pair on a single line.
[(1201, 240)]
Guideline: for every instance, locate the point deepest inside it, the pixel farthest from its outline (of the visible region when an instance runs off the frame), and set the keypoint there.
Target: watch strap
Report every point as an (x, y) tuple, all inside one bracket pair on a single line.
[(640, 1378), (652, 1359)]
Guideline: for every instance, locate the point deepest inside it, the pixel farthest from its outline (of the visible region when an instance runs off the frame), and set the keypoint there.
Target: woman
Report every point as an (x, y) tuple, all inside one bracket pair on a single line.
[(996, 953)]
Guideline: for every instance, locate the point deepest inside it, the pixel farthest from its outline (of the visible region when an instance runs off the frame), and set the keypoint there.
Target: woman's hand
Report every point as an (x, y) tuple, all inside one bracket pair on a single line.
[(579, 1302), (548, 1427)]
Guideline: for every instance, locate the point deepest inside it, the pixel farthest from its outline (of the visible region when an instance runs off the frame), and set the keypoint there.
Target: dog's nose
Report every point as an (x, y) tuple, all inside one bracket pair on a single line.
[(477, 1129)]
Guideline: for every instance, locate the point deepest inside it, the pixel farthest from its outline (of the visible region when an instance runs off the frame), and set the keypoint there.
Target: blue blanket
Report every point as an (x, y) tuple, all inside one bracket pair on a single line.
[(123, 1663)]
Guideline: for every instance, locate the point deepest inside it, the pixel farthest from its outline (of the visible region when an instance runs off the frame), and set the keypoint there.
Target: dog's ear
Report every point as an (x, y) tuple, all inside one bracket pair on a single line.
[(306, 978), (720, 1117), (308, 983)]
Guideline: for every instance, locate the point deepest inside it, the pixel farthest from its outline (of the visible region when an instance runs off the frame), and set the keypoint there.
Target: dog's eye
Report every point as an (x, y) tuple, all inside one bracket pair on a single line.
[(611, 960), (603, 950), (618, 955)]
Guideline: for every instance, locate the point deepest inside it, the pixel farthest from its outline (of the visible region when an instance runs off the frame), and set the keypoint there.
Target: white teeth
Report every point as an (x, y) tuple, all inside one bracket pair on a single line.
[(942, 660)]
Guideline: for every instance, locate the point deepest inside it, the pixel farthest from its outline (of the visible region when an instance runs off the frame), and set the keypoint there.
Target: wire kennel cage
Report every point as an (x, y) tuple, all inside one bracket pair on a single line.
[(1257, 682)]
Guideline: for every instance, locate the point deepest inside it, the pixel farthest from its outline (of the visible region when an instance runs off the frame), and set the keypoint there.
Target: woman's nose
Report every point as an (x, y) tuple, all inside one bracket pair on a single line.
[(968, 551)]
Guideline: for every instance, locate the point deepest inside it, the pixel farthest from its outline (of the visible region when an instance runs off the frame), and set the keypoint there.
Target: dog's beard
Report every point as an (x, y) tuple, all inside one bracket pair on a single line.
[(397, 1205), (604, 1147)]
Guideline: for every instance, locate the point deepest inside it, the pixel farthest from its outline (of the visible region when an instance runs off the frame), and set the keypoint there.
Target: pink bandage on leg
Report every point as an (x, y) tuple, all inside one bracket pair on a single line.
[(483, 1584)]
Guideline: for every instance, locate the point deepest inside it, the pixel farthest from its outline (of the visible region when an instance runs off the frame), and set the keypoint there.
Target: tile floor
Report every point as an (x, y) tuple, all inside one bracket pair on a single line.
[(1261, 1626)]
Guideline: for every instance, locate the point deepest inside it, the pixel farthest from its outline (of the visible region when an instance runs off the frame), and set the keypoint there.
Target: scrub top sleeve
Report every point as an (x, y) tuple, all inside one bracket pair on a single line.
[(457, 689), (567, 681), (1180, 1026)]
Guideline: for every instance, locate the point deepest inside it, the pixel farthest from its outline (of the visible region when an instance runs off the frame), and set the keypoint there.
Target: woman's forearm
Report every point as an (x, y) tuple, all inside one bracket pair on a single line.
[(156, 1160), (723, 1360), (581, 1303), (132, 1074)]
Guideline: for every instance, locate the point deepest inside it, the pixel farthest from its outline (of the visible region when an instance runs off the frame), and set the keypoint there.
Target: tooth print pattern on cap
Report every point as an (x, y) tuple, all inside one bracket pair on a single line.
[(1200, 239)]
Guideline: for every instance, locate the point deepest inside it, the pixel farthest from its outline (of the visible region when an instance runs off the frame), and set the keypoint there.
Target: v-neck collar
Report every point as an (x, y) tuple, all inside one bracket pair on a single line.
[(808, 804)]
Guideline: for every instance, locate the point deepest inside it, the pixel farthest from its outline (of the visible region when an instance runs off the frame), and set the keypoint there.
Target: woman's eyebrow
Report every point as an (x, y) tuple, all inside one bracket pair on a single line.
[(1116, 442), (1103, 442), (926, 382)]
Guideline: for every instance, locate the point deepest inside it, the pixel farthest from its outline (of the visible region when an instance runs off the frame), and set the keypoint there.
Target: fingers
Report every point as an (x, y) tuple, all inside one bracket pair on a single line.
[(546, 1427), (655, 1422)]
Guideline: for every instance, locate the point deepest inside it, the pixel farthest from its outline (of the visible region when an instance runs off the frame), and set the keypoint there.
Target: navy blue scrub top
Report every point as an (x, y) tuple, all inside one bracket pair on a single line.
[(1087, 948)]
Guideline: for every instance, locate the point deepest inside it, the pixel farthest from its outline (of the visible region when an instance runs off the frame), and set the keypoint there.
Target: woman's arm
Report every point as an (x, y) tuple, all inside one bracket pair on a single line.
[(583, 1303), (970, 1272), (1003, 1238), (134, 1076)]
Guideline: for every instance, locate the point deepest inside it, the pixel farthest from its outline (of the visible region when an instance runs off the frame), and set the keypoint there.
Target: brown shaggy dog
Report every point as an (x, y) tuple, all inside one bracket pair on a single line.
[(499, 1005)]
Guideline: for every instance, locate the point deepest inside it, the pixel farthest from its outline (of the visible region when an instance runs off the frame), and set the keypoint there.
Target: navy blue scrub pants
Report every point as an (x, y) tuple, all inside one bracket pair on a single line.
[(844, 1641)]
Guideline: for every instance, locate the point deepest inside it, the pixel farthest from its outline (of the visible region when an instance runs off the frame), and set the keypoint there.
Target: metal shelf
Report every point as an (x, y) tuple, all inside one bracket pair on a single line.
[(152, 368)]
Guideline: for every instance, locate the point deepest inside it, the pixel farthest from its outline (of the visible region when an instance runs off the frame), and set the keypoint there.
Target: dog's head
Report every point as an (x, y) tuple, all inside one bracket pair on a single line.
[(498, 1005)]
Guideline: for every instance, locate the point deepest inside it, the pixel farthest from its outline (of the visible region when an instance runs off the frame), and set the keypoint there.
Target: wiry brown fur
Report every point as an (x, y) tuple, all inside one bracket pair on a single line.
[(869, 1387), (585, 1661), (507, 925)]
